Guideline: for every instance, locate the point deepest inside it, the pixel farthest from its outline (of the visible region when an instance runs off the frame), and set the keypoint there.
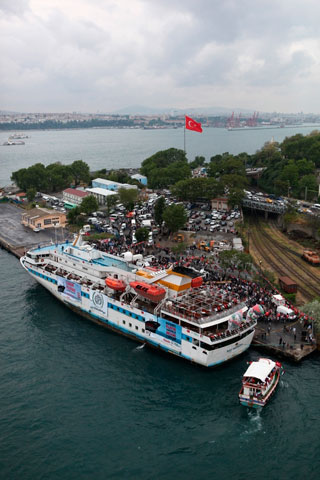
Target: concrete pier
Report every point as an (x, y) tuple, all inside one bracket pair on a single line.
[(17, 238), (284, 340)]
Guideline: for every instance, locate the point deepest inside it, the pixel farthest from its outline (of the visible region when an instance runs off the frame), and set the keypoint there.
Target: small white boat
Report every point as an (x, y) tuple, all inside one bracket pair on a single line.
[(259, 382)]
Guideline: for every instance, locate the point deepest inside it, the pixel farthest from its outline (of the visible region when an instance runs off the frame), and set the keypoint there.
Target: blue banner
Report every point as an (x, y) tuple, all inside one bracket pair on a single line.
[(169, 330)]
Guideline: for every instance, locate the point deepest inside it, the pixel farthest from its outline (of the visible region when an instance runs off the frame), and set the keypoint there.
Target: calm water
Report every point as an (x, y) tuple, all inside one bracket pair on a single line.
[(79, 402), (104, 148)]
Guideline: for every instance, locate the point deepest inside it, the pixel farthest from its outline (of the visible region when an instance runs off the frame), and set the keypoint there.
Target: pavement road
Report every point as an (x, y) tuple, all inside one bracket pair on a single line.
[(18, 235)]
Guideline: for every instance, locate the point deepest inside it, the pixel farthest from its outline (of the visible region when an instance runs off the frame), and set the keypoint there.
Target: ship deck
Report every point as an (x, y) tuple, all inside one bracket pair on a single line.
[(203, 305)]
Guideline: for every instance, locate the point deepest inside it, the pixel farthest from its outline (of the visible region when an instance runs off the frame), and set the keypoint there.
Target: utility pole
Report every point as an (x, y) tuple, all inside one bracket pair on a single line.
[(305, 194)]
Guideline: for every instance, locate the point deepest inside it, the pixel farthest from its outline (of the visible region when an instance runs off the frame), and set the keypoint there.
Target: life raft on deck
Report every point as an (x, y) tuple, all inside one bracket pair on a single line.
[(115, 284), (196, 282), (150, 292)]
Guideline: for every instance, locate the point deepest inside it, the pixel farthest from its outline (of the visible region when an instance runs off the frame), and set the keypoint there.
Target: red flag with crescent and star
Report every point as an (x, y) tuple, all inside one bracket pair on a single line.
[(192, 125)]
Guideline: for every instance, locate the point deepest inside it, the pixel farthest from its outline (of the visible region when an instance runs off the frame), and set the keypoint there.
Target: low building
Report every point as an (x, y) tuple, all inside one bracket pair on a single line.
[(141, 178), (101, 194), (73, 196), (220, 204), (110, 185), (42, 218)]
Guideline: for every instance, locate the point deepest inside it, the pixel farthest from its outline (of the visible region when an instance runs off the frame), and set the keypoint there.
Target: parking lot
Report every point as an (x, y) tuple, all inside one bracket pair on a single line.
[(16, 234)]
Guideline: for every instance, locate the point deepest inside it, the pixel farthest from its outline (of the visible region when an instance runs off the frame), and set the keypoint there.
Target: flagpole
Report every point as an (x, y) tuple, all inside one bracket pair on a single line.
[(184, 136)]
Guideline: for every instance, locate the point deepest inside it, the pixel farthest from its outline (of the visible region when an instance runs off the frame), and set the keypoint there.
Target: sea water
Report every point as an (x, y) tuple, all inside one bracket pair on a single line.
[(80, 402), (127, 148)]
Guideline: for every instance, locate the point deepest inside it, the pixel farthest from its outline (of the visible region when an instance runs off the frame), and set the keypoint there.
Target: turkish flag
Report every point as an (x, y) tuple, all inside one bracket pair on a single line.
[(192, 125)]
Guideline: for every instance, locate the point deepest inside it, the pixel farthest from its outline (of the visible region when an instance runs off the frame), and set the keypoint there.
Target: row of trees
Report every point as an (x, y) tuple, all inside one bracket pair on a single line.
[(51, 178), (290, 167)]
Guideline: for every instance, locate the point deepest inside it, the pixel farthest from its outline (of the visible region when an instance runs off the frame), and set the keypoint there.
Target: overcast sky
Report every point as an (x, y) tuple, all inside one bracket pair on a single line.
[(103, 55)]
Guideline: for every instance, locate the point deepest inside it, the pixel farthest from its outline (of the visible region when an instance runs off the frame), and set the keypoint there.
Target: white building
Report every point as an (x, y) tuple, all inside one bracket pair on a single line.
[(73, 196), (110, 185), (101, 194)]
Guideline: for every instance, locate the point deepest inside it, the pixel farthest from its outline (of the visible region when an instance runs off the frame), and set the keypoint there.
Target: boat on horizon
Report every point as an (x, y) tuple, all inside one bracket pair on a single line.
[(15, 142), (170, 309)]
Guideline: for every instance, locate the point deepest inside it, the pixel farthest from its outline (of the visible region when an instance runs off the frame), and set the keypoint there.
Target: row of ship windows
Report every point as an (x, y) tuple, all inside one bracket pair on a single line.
[(126, 312), (130, 326), (52, 280)]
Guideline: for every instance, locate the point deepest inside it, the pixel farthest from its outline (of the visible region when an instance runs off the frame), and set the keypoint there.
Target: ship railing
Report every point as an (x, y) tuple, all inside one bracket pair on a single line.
[(214, 337), (186, 312)]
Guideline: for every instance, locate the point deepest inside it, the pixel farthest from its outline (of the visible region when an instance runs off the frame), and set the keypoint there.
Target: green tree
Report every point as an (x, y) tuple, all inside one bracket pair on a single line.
[(142, 234), (199, 188), (80, 172), (58, 176), (233, 180), (31, 193), (235, 197), (111, 200), (89, 204), (313, 310), (159, 207), (308, 186), (197, 162), (128, 196), (74, 216), (166, 168), (235, 259), (175, 217)]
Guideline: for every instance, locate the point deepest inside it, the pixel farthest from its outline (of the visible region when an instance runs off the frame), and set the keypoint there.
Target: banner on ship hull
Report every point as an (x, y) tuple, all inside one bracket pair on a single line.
[(99, 301), (169, 330), (70, 289)]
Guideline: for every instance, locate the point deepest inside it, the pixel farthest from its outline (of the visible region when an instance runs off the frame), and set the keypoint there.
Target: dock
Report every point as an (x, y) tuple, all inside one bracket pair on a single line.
[(16, 238), (283, 340)]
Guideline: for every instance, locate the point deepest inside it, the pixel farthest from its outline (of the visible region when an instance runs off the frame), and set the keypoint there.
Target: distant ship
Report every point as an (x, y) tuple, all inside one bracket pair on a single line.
[(169, 309), (18, 136), (16, 142)]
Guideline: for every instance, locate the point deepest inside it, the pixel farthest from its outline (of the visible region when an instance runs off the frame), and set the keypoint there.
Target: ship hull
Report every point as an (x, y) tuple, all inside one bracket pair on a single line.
[(131, 322)]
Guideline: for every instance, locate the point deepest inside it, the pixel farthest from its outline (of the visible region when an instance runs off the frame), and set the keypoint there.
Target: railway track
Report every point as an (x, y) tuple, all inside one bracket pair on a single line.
[(284, 261), (295, 257)]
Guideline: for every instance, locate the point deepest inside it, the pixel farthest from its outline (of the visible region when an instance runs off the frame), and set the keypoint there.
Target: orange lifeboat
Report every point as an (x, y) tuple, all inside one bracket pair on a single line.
[(151, 292), (196, 282), (115, 284)]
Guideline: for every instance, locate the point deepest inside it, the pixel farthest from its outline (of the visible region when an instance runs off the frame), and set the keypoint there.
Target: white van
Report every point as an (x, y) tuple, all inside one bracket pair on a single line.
[(286, 311), (93, 220)]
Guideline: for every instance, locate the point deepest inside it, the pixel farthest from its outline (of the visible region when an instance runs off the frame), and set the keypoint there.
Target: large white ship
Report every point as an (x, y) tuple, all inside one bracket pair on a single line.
[(169, 309)]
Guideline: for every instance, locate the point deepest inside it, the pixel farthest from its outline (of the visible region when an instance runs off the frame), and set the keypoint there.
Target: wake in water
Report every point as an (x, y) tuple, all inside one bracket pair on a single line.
[(140, 347), (255, 422), (283, 384)]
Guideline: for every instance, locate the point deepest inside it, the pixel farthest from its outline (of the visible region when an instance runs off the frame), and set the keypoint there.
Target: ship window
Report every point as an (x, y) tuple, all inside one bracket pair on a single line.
[(130, 324), (137, 328), (194, 348), (124, 322), (142, 330), (203, 351)]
